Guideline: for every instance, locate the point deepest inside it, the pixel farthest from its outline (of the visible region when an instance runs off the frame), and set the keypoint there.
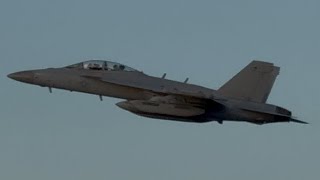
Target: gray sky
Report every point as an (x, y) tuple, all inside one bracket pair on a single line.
[(68, 135)]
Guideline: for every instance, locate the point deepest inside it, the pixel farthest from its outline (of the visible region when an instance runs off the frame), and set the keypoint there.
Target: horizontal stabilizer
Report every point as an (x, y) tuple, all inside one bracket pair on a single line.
[(298, 121)]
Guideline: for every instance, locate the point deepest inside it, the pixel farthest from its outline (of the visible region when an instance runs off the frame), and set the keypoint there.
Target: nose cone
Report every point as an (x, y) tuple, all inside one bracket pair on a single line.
[(23, 76)]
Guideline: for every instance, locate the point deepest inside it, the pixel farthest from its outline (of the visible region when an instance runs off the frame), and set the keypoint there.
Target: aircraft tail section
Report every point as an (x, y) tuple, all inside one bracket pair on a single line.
[(253, 83)]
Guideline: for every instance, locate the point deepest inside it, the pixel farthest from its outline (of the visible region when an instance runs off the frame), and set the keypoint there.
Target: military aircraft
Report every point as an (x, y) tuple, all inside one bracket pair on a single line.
[(243, 98)]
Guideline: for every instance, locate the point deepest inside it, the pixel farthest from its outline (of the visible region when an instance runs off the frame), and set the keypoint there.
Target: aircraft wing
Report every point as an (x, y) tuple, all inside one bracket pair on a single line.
[(170, 98), (148, 85), (171, 105)]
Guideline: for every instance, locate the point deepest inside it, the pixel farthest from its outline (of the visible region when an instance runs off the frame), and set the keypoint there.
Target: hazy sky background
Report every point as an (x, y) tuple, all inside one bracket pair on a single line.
[(68, 135)]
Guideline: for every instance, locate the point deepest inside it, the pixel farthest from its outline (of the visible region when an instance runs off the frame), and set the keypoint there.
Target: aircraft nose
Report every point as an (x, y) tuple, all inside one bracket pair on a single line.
[(23, 76)]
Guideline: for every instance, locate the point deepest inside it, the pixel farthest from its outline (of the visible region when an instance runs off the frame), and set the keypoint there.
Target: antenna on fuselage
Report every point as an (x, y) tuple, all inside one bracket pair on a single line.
[(186, 81), (164, 75)]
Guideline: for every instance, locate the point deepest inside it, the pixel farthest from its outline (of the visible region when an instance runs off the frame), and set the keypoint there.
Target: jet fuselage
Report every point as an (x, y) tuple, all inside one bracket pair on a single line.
[(155, 97)]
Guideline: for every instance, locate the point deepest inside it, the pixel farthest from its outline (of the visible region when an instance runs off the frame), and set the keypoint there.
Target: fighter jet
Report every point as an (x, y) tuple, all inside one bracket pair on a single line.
[(242, 99)]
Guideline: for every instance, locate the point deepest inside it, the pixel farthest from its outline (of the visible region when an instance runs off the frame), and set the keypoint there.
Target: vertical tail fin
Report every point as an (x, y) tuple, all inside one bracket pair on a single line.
[(253, 83)]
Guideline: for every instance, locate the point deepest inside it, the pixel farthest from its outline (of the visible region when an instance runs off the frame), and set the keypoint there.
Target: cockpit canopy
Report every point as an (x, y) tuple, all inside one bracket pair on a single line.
[(101, 65)]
